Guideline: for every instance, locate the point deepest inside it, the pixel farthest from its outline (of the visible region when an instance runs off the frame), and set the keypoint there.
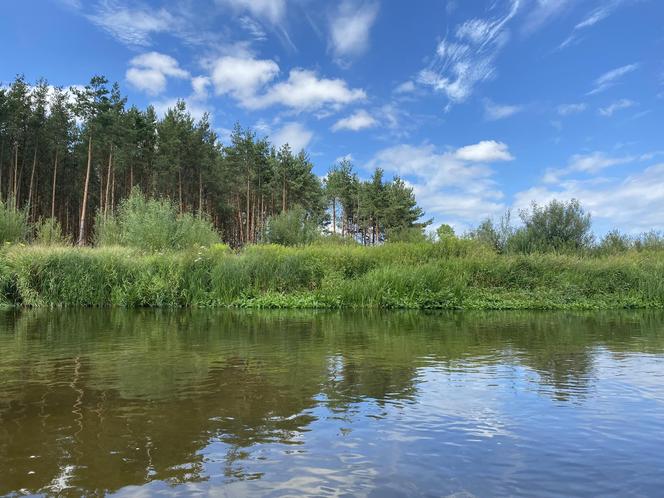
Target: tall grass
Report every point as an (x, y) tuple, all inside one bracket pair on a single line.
[(13, 223), (456, 274)]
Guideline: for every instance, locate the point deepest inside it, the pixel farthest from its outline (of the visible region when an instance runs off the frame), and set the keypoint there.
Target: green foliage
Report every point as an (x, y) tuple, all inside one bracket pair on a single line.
[(153, 225), (450, 274), (445, 231), (48, 232), (13, 223), (614, 242), (291, 228), (558, 226)]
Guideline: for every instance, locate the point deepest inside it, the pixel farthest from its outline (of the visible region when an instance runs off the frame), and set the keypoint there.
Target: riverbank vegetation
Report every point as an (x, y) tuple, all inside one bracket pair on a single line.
[(157, 212)]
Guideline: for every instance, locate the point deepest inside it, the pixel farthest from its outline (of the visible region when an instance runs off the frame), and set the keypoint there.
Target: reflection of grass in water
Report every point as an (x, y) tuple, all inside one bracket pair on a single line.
[(452, 275)]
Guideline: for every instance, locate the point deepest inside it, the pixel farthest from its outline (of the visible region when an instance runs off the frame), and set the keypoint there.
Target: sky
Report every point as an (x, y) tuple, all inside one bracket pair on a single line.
[(481, 106)]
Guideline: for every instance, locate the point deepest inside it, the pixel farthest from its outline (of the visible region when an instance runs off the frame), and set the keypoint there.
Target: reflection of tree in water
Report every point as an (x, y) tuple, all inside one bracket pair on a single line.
[(105, 399)]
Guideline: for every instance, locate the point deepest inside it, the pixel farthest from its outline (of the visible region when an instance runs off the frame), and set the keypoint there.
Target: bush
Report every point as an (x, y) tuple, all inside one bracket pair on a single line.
[(558, 226), (154, 225), (48, 232), (13, 223), (614, 242), (291, 228)]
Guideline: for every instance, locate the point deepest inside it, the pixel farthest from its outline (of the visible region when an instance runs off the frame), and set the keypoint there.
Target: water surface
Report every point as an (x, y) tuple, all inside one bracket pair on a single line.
[(240, 403)]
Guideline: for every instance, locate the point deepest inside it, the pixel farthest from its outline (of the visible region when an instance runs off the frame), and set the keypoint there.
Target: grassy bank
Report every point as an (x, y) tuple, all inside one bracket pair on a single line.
[(452, 274)]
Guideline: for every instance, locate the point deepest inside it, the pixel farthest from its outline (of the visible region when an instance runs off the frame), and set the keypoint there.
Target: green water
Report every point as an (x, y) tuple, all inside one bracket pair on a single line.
[(232, 403)]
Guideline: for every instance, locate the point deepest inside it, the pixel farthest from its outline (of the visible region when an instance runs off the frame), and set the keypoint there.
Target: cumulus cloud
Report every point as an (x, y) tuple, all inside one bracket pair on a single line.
[(359, 120), (634, 203), (149, 72), (618, 105), (493, 111), (251, 82), (350, 26), (610, 78), (454, 186), (242, 77), (294, 134), (469, 57), (485, 151)]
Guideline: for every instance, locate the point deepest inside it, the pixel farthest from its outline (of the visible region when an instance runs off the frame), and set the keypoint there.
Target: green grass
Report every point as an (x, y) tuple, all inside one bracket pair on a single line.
[(455, 274)]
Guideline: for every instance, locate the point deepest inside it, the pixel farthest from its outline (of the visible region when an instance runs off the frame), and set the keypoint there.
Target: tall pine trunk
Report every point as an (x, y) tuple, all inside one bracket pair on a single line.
[(55, 176), (81, 228), (108, 181), (32, 178)]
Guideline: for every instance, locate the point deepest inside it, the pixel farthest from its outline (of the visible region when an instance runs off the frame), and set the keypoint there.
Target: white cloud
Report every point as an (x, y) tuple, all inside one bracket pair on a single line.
[(200, 85), (618, 105), (462, 63), (493, 111), (132, 26), (269, 10), (485, 151), (148, 72), (250, 82), (359, 120), (405, 87), (585, 163), (543, 11), (447, 186), (304, 90), (634, 203), (604, 10), (294, 134), (610, 78), (569, 109), (242, 77), (350, 26)]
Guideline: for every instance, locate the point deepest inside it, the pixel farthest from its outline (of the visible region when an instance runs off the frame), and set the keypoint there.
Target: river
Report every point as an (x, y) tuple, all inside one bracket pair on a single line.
[(378, 404)]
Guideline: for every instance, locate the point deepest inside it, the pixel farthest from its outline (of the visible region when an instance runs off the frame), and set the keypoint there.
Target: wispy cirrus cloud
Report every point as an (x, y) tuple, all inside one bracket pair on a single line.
[(131, 25), (598, 14), (585, 163), (494, 112), (569, 109), (467, 58), (611, 77), (618, 105)]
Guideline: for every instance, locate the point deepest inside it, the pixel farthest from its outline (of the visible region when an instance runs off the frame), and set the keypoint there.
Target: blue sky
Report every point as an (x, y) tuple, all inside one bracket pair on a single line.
[(480, 105)]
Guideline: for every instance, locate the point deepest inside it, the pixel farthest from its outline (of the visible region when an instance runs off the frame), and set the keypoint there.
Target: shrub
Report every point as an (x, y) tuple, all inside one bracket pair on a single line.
[(13, 223), (291, 228), (48, 232), (558, 226), (154, 225)]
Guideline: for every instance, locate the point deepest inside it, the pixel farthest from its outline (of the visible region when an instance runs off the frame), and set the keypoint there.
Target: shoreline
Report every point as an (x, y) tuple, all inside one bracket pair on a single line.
[(452, 275)]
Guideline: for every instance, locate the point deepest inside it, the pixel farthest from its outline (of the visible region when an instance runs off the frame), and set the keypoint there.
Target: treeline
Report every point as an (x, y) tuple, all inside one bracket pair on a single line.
[(72, 155)]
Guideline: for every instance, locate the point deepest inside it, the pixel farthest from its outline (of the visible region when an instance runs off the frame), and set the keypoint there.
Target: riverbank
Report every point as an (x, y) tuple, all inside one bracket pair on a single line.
[(454, 274)]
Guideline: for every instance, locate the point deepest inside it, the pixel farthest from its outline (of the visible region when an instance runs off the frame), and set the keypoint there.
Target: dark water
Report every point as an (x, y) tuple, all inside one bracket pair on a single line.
[(141, 403)]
